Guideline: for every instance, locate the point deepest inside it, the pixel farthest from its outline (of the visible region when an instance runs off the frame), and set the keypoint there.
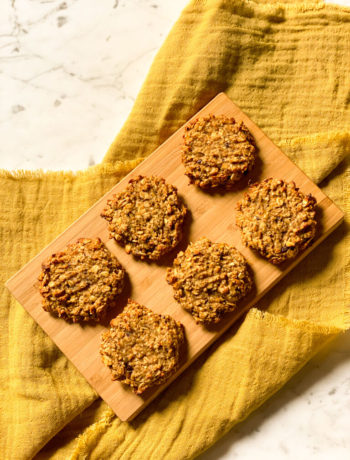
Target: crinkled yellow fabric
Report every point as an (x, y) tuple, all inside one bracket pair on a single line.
[(287, 66)]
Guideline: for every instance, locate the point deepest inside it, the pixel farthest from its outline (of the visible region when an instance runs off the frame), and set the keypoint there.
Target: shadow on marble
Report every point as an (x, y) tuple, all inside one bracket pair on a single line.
[(331, 357)]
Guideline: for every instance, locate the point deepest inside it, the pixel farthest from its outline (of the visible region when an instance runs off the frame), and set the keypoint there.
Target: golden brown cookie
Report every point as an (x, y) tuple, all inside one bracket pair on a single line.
[(80, 282), (276, 219), (217, 151), (142, 348), (209, 279), (147, 218)]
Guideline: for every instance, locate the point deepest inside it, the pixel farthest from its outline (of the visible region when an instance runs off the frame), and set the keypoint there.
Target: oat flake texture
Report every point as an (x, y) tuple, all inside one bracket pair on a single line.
[(287, 67), (82, 281), (209, 279), (276, 219), (217, 151), (147, 218), (142, 348)]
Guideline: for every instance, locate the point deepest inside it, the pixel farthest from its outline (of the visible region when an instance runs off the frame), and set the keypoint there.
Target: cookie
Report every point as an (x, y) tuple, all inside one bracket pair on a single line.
[(209, 279), (276, 219), (147, 218), (80, 282), (142, 348), (217, 151)]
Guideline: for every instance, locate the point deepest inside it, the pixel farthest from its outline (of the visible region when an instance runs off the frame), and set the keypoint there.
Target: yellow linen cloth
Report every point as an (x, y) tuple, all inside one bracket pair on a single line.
[(286, 65)]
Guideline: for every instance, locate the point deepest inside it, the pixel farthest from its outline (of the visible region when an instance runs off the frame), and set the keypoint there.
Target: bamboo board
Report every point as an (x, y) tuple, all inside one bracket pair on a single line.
[(212, 215)]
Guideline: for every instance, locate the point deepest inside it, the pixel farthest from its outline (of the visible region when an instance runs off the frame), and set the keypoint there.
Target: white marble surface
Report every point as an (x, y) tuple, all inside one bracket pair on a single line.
[(80, 63), (69, 74)]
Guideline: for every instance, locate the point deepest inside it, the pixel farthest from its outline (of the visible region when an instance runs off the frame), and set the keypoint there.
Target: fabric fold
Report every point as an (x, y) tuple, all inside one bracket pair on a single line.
[(246, 357), (41, 391), (286, 66)]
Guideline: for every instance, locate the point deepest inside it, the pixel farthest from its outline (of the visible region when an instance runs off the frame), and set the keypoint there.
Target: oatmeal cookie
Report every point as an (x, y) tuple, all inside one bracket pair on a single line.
[(147, 218), (142, 348), (209, 279), (81, 282), (276, 219), (217, 151)]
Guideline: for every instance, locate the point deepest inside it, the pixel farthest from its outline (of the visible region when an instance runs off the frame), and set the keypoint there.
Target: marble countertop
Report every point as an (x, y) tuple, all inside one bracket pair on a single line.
[(81, 63)]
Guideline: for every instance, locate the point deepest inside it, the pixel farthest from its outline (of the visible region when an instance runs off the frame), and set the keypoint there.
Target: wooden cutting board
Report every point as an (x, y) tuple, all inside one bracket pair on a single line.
[(212, 215)]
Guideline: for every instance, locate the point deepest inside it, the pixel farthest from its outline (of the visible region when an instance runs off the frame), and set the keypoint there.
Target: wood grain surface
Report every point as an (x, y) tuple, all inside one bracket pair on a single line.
[(211, 215)]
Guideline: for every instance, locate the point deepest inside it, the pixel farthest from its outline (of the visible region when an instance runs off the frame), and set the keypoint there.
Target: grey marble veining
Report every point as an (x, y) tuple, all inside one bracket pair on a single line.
[(69, 74)]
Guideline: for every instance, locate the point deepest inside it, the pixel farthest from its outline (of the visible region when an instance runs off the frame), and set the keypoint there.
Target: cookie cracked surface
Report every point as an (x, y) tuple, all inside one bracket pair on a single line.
[(209, 279), (276, 219), (217, 151), (142, 348), (80, 282), (147, 218)]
